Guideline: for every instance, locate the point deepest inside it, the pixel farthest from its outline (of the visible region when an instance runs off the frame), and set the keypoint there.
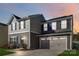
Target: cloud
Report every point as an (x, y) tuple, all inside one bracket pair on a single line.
[(56, 10), (50, 10)]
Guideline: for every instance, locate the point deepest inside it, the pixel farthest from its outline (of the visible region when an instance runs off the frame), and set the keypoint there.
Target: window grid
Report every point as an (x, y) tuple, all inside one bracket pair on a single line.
[(45, 27), (54, 27), (63, 24)]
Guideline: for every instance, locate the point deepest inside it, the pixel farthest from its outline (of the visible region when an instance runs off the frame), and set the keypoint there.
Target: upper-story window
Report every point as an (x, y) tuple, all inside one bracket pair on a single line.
[(13, 26), (22, 24), (45, 26), (63, 24), (54, 25)]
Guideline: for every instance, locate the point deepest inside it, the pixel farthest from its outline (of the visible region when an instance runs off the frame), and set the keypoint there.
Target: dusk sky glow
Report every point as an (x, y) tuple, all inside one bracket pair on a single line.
[(50, 10)]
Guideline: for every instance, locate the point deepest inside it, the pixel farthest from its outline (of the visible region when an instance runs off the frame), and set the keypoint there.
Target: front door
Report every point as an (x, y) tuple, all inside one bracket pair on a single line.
[(22, 43)]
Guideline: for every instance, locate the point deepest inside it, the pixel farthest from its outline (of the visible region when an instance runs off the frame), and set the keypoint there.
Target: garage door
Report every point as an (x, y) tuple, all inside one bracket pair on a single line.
[(44, 43), (54, 43), (58, 43)]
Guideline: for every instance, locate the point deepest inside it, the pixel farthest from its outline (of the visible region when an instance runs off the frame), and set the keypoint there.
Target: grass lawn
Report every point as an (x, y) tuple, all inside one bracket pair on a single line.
[(70, 53), (4, 52)]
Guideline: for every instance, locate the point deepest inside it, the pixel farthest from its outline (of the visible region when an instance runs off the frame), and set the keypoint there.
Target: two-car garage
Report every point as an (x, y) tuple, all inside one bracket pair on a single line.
[(54, 42)]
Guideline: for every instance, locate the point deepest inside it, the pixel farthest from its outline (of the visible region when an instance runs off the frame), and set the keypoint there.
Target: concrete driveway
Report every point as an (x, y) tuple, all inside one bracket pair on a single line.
[(37, 52)]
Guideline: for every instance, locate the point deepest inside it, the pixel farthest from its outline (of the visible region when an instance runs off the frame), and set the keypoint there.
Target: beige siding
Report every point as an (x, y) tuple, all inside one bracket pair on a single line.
[(4, 36)]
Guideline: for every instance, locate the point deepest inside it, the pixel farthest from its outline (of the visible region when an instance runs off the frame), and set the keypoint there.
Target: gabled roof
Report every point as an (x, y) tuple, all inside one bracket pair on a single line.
[(26, 18), (17, 17)]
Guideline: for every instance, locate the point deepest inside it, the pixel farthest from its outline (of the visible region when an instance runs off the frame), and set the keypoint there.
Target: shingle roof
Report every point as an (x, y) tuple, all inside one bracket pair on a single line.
[(13, 17), (17, 17), (25, 18), (59, 17), (2, 24)]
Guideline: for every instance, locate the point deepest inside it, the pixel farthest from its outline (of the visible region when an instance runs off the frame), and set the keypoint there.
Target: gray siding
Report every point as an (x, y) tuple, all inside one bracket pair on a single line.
[(68, 41), (34, 41), (58, 20), (35, 23)]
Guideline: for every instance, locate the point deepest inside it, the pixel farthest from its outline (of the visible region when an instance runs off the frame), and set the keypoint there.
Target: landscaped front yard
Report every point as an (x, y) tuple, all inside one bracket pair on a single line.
[(65, 53), (70, 53), (4, 52)]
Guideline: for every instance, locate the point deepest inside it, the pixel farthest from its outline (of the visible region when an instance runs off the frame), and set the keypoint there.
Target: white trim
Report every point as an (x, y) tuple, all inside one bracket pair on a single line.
[(66, 42), (18, 32), (34, 32), (70, 41), (29, 36), (29, 41), (23, 32), (55, 34)]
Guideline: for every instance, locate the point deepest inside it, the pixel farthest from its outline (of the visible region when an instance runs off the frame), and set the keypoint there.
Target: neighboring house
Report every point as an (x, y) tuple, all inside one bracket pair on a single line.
[(34, 32), (3, 35)]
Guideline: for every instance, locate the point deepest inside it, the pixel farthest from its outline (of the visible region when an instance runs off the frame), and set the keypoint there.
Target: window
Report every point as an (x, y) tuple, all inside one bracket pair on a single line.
[(63, 24), (22, 24), (63, 37), (45, 27), (49, 38), (13, 25), (55, 38), (54, 26), (19, 25), (43, 38)]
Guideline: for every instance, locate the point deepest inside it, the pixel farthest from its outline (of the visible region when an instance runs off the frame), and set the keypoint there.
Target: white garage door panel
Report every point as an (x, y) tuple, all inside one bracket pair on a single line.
[(58, 43)]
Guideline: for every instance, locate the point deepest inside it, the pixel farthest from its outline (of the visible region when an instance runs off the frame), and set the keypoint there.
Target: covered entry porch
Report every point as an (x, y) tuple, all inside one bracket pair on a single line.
[(18, 40)]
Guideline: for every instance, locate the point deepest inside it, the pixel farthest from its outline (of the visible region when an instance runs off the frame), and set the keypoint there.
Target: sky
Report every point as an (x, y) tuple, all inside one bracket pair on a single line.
[(49, 10)]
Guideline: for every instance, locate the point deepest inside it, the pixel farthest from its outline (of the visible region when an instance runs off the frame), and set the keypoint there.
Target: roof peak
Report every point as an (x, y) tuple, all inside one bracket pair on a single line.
[(16, 16)]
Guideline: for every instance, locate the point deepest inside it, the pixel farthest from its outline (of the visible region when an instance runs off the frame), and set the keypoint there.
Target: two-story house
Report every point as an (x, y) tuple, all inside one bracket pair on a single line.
[(35, 32), (22, 32)]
